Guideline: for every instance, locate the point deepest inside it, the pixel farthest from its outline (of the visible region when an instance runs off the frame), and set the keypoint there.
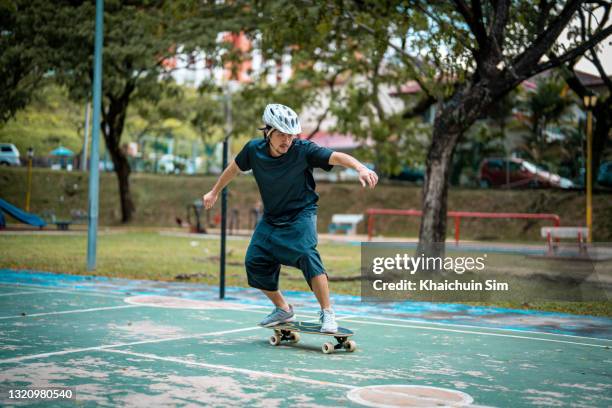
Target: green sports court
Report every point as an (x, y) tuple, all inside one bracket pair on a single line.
[(141, 343), (439, 172)]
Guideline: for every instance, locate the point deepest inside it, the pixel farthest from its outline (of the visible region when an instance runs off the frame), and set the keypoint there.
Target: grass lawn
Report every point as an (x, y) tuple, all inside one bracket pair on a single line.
[(145, 254)]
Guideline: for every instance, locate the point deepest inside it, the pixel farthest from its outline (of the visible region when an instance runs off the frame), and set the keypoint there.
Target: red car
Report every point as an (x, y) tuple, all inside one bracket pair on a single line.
[(497, 172)]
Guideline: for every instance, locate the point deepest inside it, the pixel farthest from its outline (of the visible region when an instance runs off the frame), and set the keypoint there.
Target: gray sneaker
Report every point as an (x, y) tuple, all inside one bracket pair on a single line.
[(278, 316), (327, 317)]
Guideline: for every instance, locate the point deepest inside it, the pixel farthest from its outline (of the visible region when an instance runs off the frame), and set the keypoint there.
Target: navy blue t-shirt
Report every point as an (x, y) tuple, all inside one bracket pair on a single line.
[(285, 183)]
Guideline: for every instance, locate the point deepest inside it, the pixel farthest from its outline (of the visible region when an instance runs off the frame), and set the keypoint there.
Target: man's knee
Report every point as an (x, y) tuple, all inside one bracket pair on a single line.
[(264, 283), (262, 275), (311, 267)]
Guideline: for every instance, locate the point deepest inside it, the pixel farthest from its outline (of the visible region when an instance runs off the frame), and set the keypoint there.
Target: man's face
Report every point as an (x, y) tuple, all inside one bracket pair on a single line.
[(280, 142)]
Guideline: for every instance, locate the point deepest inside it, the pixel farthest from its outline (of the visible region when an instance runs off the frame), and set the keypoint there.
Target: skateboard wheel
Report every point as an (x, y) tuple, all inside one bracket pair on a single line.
[(327, 348), (350, 345), (275, 340), (295, 337)]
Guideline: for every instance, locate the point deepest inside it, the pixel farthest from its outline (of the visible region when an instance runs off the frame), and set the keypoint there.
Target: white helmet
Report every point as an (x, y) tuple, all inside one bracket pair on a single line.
[(282, 118)]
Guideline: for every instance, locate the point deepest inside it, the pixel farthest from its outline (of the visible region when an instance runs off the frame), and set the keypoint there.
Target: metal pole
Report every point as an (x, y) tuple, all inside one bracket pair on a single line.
[(507, 170), (29, 193), (94, 175), (589, 175), (228, 131), (86, 142), (155, 147), (223, 228)]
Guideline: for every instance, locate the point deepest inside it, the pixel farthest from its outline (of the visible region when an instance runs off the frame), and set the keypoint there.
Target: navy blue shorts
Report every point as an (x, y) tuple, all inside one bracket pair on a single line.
[(271, 246)]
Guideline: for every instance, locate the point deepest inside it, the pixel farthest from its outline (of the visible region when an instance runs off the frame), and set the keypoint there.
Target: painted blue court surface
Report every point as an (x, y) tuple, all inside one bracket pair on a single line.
[(145, 343)]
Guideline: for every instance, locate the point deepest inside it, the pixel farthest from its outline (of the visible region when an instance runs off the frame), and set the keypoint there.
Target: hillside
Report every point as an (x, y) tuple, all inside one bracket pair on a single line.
[(160, 199)]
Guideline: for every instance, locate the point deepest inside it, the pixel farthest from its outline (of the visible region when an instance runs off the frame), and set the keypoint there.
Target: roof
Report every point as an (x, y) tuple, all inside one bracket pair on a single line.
[(62, 151), (588, 80), (411, 87), (335, 141)]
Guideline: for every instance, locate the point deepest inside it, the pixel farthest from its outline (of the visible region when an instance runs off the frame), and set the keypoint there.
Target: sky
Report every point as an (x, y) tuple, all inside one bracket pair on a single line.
[(604, 54)]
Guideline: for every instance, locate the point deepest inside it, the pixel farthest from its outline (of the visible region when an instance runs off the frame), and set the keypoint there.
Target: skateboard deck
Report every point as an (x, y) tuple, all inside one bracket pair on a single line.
[(290, 332)]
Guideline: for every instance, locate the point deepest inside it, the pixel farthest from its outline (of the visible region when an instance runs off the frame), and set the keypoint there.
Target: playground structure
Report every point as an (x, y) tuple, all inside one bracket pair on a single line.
[(77, 216), (19, 215), (457, 215), (134, 336)]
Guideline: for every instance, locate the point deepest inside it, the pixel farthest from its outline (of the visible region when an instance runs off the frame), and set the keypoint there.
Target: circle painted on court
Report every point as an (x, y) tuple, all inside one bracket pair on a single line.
[(400, 395), (181, 303)]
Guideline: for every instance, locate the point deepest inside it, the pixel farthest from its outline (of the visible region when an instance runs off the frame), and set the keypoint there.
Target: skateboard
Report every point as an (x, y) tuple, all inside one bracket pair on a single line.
[(291, 332)]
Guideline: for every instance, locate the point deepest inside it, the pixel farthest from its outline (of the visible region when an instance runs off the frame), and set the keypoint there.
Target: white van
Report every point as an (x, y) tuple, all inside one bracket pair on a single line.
[(9, 155)]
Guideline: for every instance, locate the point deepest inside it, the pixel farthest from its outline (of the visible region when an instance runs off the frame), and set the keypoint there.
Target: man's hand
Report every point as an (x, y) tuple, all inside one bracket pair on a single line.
[(367, 177), (209, 199)]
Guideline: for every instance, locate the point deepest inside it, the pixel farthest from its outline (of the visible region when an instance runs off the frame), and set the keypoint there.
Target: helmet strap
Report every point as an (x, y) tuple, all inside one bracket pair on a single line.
[(266, 132)]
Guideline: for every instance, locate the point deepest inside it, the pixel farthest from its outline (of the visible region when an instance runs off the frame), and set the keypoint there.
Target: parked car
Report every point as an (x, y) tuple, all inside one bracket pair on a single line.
[(9, 155), (514, 172), (604, 176)]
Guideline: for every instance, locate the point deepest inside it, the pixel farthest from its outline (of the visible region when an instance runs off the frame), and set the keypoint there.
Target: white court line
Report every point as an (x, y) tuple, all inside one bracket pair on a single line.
[(479, 327), (479, 333), (102, 294), (94, 309), (84, 291), (29, 293), (89, 292), (134, 343), (345, 317), (235, 369)]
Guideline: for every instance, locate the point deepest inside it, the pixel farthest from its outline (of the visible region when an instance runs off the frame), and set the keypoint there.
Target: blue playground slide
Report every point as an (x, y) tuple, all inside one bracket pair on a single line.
[(19, 215)]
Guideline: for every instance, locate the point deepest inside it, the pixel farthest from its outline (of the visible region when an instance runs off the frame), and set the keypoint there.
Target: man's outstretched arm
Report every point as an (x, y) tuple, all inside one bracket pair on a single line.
[(367, 177), (228, 174)]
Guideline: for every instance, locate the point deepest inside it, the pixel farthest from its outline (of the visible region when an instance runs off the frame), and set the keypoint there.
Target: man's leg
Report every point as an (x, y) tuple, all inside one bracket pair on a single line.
[(320, 288), (277, 298), (327, 316)]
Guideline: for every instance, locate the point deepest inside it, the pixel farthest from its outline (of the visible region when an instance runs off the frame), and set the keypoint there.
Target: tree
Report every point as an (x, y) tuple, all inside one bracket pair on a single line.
[(24, 58), (49, 120), (602, 111), (483, 51), (168, 117), (485, 138), (141, 38), (546, 105), (346, 77), (504, 43), (465, 57)]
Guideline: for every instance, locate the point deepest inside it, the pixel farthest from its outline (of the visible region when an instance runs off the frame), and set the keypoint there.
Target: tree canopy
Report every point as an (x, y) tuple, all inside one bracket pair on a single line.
[(348, 58)]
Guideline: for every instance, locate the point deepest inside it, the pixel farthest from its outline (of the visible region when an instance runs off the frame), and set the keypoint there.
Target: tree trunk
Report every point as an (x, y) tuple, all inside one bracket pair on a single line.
[(435, 192), (123, 170), (456, 115), (112, 128), (602, 113)]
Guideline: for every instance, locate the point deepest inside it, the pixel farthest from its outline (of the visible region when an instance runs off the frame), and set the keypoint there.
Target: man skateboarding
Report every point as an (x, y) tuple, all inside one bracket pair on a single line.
[(282, 166)]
